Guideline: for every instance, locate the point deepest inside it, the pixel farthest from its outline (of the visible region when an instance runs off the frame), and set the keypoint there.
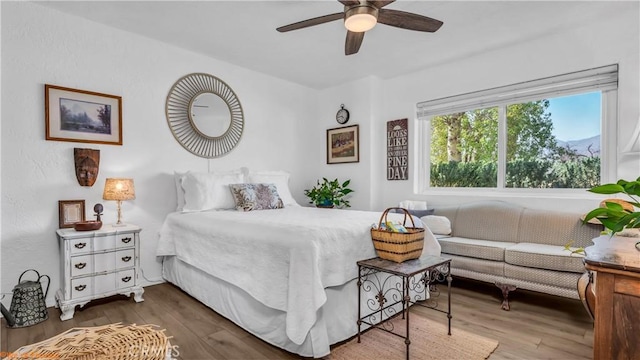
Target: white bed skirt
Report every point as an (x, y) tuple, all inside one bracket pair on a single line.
[(336, 318)]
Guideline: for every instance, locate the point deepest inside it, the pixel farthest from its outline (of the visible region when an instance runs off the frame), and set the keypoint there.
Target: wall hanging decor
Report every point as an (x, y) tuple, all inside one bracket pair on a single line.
[(342, 116), (398, 149), (87, 163), (343, 145), (82, 116), (204, 115), (70, 212)]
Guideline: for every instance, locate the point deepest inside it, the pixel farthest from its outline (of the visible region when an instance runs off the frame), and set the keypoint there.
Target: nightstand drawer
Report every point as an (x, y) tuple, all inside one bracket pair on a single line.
[(125, 240), (81, 265), (105, 243), (81, 287), (125, 258), (126, 278), (112, 242), (105, 283), (80, 246), (105, 262)]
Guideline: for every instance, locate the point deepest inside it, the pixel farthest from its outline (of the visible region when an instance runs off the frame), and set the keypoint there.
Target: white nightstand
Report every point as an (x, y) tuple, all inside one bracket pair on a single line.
[(97, 264)]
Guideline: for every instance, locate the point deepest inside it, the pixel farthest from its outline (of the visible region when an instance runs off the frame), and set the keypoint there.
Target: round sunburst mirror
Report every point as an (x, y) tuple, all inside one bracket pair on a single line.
[(204, 115)]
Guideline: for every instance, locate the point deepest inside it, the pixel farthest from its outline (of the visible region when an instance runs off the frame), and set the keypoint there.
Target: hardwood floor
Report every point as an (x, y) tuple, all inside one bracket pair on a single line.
[(537, 327)]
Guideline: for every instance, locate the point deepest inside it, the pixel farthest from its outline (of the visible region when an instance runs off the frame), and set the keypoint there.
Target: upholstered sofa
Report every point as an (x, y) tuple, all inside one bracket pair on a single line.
[(516, 247)]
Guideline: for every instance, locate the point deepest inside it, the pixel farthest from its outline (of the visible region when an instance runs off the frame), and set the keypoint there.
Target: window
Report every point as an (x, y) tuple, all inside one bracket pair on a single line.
[(464, 151), (545, 134)]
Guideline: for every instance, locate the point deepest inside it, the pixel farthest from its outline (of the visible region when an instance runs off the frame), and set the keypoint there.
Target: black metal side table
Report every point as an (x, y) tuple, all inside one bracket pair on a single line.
[(383, 277)]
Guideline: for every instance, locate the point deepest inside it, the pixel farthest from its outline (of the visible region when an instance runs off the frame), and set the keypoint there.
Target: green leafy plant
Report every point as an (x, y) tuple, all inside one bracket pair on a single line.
[(579, 250), (617, 215), (329, 193)]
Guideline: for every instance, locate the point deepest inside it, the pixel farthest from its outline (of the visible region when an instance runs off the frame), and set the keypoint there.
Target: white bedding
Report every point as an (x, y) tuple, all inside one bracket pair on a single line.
[(283, 258)]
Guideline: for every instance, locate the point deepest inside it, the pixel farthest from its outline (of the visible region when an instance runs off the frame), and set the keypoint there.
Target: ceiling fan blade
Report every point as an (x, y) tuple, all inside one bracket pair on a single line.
[(354, 40), (406, 20), (311, 22), (349, 2), (380, 3)]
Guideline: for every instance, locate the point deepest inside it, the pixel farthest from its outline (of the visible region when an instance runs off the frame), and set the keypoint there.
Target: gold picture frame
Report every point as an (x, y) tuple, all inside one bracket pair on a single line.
[(82, 116), (70, 212), (343, 145)]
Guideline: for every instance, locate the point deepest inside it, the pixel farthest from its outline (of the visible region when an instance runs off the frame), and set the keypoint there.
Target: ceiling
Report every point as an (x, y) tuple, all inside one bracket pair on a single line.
[(243, 32)]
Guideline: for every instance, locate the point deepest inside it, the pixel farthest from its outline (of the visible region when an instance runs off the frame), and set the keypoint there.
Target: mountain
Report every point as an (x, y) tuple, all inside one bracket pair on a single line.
[(581, 146)]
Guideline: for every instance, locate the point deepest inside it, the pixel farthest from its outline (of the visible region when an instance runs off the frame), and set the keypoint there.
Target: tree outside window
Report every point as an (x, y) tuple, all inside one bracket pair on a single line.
[(550, 143)]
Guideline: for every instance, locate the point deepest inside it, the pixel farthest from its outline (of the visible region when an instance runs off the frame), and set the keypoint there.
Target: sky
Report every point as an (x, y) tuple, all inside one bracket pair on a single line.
[(576, 117)]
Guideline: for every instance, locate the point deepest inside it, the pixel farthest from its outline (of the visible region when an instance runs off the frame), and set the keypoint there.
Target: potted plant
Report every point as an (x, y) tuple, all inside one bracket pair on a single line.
[(615, 214), (328, 194)]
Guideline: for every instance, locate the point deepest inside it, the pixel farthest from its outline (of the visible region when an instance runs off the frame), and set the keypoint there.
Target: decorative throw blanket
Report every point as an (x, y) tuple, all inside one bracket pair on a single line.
[(284, 258)]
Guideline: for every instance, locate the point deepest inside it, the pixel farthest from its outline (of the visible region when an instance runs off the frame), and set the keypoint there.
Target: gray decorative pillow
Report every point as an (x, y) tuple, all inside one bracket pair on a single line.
[(418, 213), (250, 197)]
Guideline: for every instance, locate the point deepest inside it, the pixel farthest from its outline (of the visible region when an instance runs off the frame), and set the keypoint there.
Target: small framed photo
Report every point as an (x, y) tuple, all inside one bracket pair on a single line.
[(82, 116), (70, 212), (343, 145)]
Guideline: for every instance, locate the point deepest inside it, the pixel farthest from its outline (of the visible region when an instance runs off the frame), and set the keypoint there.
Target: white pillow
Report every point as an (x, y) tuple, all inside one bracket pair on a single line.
[(177, 178), (280, 179), (209, 191), (437, 224), (413, 205)]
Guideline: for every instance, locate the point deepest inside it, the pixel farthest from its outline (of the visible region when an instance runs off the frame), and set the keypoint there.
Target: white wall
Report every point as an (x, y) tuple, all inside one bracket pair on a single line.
[(42, 46), (359, 98), (615, 39)]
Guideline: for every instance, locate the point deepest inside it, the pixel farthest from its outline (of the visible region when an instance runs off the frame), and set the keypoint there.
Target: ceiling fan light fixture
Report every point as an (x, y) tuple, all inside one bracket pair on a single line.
[(361, 18)]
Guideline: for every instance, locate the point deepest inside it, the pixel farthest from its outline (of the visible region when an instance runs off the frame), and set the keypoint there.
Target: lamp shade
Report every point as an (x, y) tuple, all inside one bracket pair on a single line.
[(119, 189)]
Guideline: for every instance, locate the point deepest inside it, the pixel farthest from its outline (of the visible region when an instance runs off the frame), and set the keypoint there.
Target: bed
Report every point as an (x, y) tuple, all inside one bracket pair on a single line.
[(285, 275)]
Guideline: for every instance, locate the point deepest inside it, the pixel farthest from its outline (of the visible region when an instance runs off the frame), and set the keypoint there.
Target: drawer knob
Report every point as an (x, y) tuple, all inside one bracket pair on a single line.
[(80, 245), (80, 287), (126, 278), (126, 240), (80, 265), (126, 258)]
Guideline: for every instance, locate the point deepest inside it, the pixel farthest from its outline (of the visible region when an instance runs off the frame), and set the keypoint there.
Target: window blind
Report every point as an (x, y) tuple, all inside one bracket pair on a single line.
[(600, 78)]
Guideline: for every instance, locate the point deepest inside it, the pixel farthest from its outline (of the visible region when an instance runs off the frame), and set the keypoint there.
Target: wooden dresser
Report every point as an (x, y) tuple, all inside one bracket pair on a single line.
[(97, 264), (615, 264)]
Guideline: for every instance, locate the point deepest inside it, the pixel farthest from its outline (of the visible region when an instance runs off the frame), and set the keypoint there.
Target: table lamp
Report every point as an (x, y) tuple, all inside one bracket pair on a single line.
[(119, 189)]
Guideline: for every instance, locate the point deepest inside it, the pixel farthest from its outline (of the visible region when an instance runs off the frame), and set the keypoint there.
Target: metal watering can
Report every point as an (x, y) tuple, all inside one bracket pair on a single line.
[(28, 306)]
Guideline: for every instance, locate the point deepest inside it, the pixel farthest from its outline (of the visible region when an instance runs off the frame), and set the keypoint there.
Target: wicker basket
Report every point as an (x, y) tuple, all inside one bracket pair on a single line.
[(396, 246)]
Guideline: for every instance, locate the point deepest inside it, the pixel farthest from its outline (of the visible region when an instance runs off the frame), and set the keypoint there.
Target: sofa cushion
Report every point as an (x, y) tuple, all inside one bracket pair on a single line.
[(543, 256), (481, 249), (478, 265), (555, 228), (568, 280), (487, 220)]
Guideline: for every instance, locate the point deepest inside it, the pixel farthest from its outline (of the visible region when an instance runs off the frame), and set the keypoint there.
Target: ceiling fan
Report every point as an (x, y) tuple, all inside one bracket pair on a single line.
[(362, 15)]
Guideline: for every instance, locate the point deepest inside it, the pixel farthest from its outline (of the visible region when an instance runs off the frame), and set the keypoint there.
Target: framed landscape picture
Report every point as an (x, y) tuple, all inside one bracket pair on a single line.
[(343, 145), (82, 116)]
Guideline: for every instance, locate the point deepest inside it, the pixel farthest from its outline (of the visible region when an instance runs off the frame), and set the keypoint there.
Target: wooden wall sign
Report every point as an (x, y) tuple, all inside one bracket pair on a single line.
[(87, 163), (398, 149)]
